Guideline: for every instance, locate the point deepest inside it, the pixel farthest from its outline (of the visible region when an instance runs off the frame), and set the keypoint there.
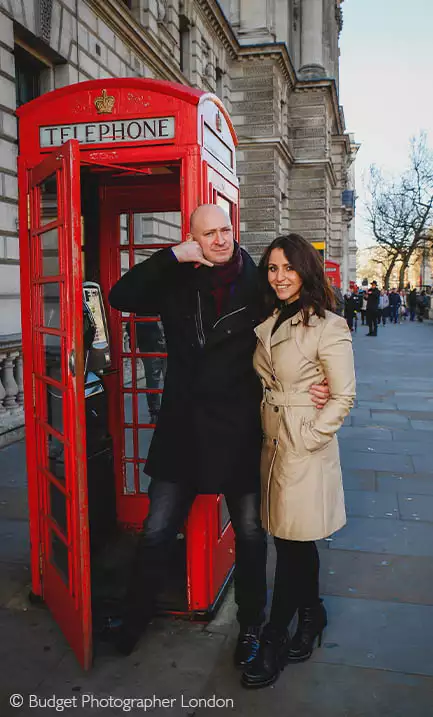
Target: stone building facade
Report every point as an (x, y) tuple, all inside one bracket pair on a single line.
[(274, 63)]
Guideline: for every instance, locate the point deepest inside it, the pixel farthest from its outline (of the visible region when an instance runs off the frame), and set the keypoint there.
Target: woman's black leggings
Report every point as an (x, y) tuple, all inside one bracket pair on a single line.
[(296, 579)]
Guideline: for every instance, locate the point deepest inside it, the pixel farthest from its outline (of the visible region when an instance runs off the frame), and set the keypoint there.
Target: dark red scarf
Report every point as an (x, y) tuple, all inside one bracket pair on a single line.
[(222, 278)]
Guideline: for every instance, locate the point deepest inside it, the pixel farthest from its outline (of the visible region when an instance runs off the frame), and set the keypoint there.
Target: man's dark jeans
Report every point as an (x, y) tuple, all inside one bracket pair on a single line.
[(169, 507)]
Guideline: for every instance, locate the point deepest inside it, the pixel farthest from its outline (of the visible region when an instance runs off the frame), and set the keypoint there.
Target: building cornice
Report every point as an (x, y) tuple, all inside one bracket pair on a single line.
[(119, 18), (274, 142), (322, 163), (274, 51), (213, 13)]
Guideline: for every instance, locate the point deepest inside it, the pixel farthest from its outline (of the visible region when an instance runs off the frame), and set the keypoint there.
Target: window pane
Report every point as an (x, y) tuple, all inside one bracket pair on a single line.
[(50, 253), (60, 556), (56, 457), (54, 406), (51, 304), (129, 478), (144, 480), (144, 439), (58, 507), (149, 337), (52, 356), (49, 201), (157, 228), (127, 407), (124, 226), (129, 445)]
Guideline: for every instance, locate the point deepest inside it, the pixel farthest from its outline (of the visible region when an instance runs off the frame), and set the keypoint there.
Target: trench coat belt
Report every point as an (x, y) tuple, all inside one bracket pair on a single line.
[(281, 398)]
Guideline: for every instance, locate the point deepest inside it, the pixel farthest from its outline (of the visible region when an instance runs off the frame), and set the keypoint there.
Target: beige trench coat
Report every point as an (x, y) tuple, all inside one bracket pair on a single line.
[(302, 490)]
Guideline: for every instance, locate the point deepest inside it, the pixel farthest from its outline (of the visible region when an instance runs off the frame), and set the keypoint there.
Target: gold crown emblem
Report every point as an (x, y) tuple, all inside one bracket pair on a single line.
[(104, 103), (218, 122)]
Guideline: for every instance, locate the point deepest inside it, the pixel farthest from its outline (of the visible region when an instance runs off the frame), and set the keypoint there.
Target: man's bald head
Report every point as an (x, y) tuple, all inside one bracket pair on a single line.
[(207, 210), (211, 227)]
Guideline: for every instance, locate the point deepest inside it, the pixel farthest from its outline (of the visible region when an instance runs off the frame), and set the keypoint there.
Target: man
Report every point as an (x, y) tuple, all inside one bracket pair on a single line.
[(208, 436), (372, 308), (394, 305)]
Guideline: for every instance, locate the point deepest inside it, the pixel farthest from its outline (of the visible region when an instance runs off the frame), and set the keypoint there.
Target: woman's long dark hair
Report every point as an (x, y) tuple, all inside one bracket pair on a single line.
[(316, 293)]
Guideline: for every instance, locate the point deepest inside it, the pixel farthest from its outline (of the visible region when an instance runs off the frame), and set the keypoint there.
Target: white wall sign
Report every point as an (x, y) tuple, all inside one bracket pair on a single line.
[(137, 130)]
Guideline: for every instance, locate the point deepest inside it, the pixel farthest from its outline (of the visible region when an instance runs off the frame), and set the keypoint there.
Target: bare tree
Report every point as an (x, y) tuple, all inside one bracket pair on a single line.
[(400, 210)]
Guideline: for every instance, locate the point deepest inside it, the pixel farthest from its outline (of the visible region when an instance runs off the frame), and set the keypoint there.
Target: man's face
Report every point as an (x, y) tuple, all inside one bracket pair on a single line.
[(213, 230)]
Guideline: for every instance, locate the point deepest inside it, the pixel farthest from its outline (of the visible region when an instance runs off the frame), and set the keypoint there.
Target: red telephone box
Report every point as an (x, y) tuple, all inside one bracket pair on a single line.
[(332, 271), (109, 172)]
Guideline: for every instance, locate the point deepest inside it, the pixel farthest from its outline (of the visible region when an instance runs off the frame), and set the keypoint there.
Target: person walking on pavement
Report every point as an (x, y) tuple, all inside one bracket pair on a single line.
[(363, 300), (208, 436), (394, 305), (302, 490), (412, 304), (422, 303), (372, 308), (383, 310)]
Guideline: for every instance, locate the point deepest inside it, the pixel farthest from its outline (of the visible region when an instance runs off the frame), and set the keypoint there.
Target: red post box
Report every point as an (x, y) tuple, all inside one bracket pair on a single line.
[(109, 171)]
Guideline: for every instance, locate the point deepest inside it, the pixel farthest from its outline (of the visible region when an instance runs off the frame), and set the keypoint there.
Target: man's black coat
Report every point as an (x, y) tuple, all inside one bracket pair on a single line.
[(208, 431)]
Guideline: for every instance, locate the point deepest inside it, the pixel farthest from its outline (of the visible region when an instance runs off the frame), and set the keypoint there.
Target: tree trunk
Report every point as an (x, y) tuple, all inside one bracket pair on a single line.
[(389, 272)]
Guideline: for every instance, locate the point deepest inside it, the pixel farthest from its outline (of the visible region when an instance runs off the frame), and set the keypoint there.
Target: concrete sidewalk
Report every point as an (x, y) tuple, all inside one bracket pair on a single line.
[(377, 579)]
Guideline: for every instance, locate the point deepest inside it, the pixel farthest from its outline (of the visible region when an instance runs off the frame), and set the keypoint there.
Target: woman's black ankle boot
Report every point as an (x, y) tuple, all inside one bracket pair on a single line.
[(266, 667), (311, 623)]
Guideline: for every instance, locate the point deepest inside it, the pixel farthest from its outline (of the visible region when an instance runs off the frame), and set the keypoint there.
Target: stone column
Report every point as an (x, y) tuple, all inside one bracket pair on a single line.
[(312, 39)]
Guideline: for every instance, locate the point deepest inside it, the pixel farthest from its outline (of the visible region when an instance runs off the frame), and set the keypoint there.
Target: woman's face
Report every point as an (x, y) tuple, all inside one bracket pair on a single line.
[(284, 280)]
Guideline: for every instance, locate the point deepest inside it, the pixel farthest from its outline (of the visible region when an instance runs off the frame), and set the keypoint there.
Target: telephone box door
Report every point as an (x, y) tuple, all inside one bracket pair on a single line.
[(54, 341)]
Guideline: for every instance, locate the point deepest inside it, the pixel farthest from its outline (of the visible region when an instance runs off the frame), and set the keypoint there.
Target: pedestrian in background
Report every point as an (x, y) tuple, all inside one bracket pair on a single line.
[(302, 491), (372, 308), (364, 307), (349, 308), (412, 304), (394, 305), (403, 305), (422, 303), (383, 311)]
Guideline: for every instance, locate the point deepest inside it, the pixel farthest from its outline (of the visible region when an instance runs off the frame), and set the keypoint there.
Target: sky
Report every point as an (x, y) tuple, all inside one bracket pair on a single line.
[(386, 84)]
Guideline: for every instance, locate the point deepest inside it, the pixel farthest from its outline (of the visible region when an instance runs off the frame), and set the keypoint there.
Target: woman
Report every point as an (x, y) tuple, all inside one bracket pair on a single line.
[(301, 343)]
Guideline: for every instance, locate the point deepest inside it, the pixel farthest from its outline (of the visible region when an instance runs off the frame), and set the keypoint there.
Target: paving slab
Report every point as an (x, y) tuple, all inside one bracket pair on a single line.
[(424, 463), (368, 434), (13, 503), (366, 445), (385, 420), (376, 461), (13, 465), (395, 578), (389, 405), (384, 536), (317, 689), (14, 578), (14, 541), (422, 425), (412, 435), (370, 504), (415, 507), (418, 483), (358, 480)]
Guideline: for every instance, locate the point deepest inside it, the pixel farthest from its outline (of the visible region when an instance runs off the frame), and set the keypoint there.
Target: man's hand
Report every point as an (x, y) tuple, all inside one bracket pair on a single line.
[(320, 394), (190, 252)]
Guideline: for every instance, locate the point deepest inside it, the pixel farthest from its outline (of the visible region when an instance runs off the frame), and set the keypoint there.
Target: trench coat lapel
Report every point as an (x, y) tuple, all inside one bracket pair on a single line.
[(264, 331)]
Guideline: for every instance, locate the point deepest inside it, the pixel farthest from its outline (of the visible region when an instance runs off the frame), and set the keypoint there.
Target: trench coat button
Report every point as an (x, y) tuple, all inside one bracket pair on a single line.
[(273, 378), (276, 409), (275, 441)]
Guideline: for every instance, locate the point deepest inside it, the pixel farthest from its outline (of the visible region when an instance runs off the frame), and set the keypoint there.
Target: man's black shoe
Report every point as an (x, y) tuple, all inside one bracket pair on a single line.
[(270, 660), (247, 646), (369, 334)]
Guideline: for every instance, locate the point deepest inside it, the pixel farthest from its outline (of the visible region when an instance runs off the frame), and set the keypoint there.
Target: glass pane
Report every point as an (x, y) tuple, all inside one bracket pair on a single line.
[(52, 356), (127, 373), (124, 262), (144, 439), (224, 514), (60, 556), (49, 201), (129, 445), (152, 373), (149, 337), (124, 225), (148, 407), (129, 478), (56, 457), (50, 253), (54, 406), (58, 507), (127, 407), (157, 228), (144, 480), (51, 304)]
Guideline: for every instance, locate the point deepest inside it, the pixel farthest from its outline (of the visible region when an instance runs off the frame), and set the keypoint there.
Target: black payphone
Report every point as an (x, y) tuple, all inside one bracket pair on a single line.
[(100, 467)]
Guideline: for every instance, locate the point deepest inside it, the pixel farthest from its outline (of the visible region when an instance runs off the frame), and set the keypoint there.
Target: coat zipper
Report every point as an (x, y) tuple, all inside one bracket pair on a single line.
[(199, 323), (227, 315)]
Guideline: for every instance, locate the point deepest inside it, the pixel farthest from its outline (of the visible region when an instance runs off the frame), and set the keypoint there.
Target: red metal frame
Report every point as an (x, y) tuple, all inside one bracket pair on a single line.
[(203, 177), (68, 597)]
